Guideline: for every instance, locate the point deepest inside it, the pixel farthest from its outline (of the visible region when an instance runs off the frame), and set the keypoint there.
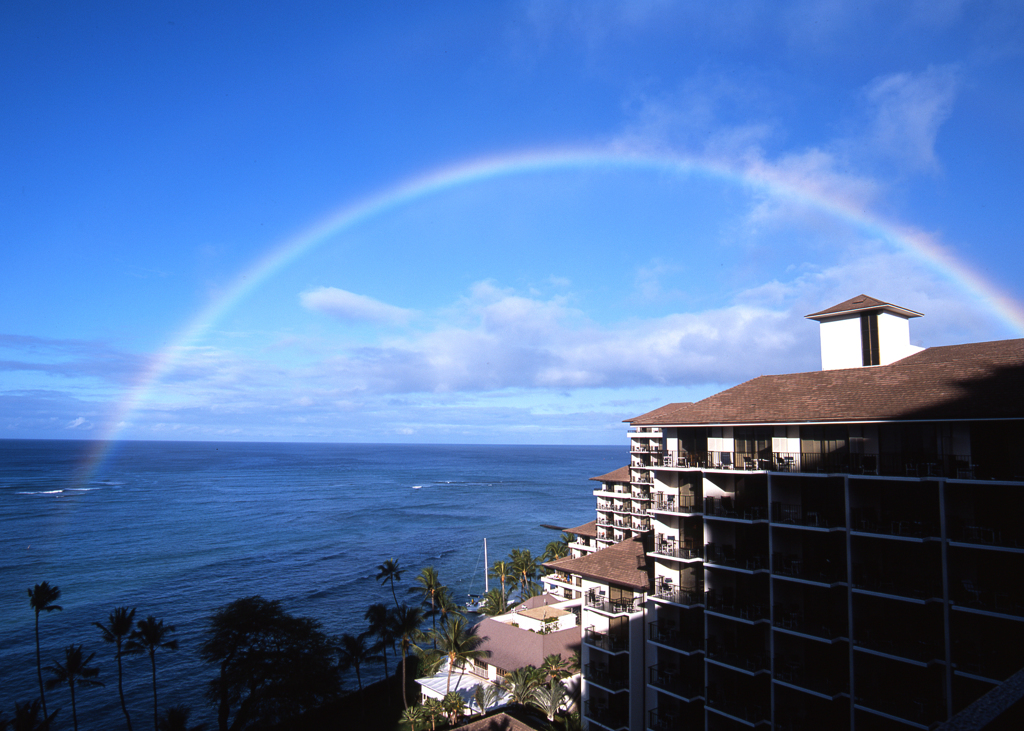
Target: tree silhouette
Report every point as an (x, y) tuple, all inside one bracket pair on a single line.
[(459, 643), (429, 585), (176, 719), (149, 636), (117, 629), (379, 617), (26, 717), (41, 598), (389, 571), (273, 666), (74, 671), (352, 653), (405, 622)]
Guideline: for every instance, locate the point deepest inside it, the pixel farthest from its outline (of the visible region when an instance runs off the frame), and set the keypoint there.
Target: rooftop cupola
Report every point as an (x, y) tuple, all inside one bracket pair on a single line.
[(864, 331)]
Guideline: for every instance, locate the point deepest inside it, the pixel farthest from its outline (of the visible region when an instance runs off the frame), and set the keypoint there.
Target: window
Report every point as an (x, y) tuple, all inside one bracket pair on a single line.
[(869, 338)]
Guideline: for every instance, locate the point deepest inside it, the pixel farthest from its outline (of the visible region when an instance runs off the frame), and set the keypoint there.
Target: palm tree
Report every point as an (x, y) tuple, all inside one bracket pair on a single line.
[(41, 598), (521, 683), (550, 698), (447, 607), (405, 623), (558, 549), (494, 603), (433, 710), (353, 652), (379, 618), (413, 716), (454, 704), (487, 695), (26, 717), (151, 636), (555, 667), (117, 629), (389, 571), (176, 719), (524, 566), (502, 570), (459, 643), (74, 671), (430, 661), (429, 585)]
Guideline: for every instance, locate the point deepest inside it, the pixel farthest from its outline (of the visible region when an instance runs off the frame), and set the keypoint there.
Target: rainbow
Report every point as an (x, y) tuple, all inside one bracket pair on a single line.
[(767, 179)]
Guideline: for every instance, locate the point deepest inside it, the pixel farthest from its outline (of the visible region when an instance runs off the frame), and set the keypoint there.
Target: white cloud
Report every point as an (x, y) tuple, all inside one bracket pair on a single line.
[(345, 305), (907, 111)]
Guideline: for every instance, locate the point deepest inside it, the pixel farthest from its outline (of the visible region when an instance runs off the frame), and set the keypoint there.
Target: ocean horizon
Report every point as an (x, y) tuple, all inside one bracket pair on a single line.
[(178, 529)]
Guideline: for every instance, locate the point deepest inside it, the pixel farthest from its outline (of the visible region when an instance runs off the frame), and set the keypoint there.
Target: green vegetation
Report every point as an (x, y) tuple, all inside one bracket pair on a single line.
[(272, 668)]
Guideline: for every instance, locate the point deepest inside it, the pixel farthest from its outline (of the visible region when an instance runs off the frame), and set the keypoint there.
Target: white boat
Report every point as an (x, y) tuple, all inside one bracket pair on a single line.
[(475, 602)]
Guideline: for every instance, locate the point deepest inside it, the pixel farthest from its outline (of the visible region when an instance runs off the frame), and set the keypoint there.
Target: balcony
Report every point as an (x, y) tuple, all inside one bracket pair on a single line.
[(793, 620), (747, 610), (725, 556), (819, 571), (659, 720), (672, 549), (906, 649), (685, 506), (598, 713), (792, 672), (607, 678), (726, 507), (790, 514), (748, 662), (604, 641), (890, 464), (669, 679), (670, 636), (680, 596), (614, 606), (729, 705)]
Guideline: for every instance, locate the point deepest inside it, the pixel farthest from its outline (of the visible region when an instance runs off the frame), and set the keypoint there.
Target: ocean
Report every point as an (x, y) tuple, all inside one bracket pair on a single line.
[(178, 529)]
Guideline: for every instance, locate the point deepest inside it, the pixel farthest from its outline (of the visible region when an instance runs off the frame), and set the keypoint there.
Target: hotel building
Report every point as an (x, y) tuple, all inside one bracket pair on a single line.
[(838, 549)]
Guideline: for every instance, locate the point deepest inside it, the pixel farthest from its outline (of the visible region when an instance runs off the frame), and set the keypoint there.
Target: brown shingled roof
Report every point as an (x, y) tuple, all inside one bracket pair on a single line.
[(623, 564), (587, 529), (972, 381), (497, 722), (862, 303), (619, 475), (512, 648)]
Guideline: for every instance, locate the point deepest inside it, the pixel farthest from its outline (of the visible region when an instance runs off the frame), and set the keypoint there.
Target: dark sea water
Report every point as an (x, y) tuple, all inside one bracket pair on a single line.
[(178, 529)]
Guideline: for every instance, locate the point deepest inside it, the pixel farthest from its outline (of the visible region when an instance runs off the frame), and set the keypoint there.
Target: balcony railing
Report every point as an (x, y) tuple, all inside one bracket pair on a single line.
[(671, 636), (820, 569), (683, 505), (748, 610), (616, 606), (663, 720), (891, 464), (920, 651), (605, 641), (727, 704), (677, 595), (751, 662), (609, 719), (791, 514), (793, 619), (669, 678), (727, 508), (605, 677), (676, 551), (794, 672), (725, 555)]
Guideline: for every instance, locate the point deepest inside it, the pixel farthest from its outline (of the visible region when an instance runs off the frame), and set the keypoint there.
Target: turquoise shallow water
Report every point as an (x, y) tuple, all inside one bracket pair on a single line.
[(177, 529)]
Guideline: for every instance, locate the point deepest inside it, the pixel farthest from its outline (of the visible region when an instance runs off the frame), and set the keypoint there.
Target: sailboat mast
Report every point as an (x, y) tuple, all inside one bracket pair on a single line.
[(487, 583)]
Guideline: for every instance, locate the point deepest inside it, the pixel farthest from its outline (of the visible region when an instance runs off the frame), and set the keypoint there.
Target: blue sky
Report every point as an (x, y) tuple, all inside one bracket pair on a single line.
[(733, 169)]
